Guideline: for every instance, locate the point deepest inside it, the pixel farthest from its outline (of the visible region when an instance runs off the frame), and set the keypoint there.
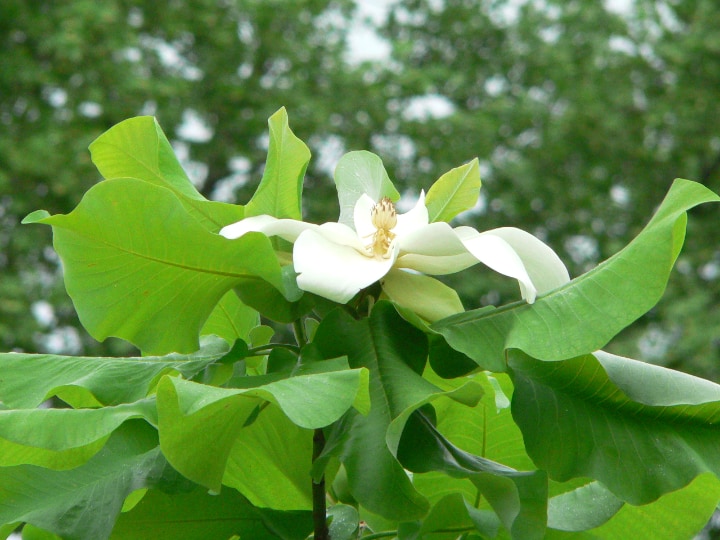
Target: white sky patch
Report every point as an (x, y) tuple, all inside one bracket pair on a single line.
[(401, 146), (654, 343), (90, 109), (620, 195), (495, 85), (56, 97), (549, 34), (328, 152), (193, 128), (668, 18), (430, 106), (196, 170), (623, 45), (364, 43), (170, 57), (709, 271), (44, 313), (583, 249), (621, 7), (224, 189), (131, 54), (407, 202), (506, 13), (63, 340)]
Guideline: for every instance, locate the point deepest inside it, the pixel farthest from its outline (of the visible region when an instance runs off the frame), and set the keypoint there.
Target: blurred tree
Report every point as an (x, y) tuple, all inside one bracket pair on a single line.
[(581, 117), (212, 72)]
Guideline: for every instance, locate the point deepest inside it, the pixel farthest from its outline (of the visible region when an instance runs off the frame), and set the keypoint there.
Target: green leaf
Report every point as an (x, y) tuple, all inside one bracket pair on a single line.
[(454, 192), (62, 438), (83, 503), (231, 319), (395, 353), (269, 463), (446, 361), (585, 314), (280, 190), (344, 522), (357, 173), (271, 303), (137, 267), (582, 508), (137, 148), (311, 400), (453, 513), (641, 430), (518, 498), (199, 516), (486, 430), (30, 379), (679, 514), (437, 300), (30, 532), (7, 529)]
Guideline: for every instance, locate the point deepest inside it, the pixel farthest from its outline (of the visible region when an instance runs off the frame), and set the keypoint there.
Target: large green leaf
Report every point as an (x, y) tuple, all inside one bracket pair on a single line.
[(269, 464), (280, 190), (455, 191), (137, 148), (450, 516), (63, 438), (585, 507), (641, 430), (138, 267), (199, 516), (359, 173), (518, 498), (585, 314), (83, 503), (309, 399), (679, 514), (231, 319), (395, 353), (30, 379)]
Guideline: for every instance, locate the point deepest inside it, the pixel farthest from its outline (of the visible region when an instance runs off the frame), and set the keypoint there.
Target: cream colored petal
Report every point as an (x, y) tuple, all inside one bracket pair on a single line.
[(362, 216), (435, 239), (343, 235), (289, 229), (498, 254), (414, 219), (545, 268), (436, 266), (335, 271)]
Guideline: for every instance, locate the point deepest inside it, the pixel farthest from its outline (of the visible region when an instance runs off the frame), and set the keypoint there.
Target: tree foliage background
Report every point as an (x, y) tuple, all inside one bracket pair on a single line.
[(581, 117)]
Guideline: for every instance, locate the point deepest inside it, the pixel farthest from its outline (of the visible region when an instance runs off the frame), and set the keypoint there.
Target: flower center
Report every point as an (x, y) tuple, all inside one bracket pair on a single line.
[(384, 219)]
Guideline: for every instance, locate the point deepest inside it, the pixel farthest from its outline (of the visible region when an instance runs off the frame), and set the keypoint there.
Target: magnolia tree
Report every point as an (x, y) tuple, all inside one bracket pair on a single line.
[(392, 413)]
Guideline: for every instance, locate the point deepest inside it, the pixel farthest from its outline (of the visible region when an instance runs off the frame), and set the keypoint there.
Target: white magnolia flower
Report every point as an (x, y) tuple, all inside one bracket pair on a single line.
[(336, 261)]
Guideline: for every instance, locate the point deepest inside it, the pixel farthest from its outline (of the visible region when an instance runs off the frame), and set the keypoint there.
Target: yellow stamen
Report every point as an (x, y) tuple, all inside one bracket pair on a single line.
[(384, 218)]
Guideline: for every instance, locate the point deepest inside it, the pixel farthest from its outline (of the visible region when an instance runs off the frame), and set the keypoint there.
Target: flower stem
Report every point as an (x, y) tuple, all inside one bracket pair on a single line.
[(318, 488), (318, 492)]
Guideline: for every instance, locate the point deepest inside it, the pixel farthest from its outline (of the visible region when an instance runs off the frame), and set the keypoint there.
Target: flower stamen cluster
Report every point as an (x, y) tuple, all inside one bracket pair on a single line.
[(384, 219)]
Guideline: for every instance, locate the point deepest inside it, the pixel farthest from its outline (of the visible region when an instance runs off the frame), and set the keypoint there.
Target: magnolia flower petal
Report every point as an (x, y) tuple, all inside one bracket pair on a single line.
[(436, 266), (496, 253), (362, 216), (435, 239), (340, 233), (412, 220), (335, 271), (289, 229), (545, 268)]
